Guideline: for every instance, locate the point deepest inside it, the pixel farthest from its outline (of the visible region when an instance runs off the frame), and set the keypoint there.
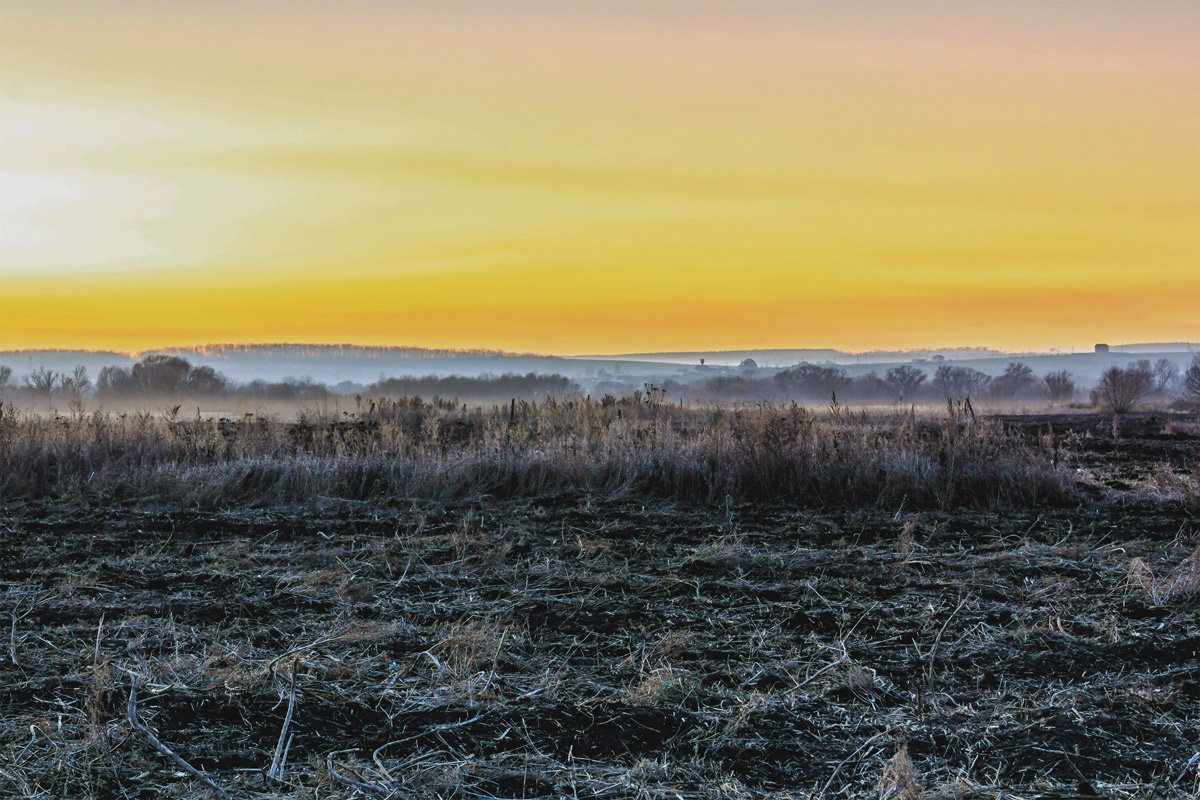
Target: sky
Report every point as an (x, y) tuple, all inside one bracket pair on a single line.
[(599, 176)]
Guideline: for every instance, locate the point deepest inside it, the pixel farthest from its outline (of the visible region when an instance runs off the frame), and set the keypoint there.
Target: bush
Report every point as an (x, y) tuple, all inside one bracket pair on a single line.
[(1121, 389), (1060, 385)]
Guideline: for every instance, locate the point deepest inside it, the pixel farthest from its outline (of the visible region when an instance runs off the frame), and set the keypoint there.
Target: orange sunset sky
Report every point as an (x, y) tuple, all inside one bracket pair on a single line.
[(582, 176)]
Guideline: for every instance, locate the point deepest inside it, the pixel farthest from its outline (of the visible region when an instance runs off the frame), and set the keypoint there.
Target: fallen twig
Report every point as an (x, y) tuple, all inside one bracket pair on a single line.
[(845, 655), (367, 787), (25, 749), (162, 748), (12, 638), (304, 647), (846, 760)]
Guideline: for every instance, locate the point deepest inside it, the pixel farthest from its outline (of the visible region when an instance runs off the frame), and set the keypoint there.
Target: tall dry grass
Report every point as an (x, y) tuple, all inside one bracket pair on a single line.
[(389, 451)]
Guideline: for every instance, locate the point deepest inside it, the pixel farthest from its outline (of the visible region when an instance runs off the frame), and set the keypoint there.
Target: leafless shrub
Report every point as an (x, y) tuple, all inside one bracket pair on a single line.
[(1122, 388), (1060, 385)]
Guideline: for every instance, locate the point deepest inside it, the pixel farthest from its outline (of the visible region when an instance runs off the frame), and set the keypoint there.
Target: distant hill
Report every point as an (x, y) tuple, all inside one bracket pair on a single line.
[(340, 351), (23, 362), (1158, 347), (786, 357), (728, 358)]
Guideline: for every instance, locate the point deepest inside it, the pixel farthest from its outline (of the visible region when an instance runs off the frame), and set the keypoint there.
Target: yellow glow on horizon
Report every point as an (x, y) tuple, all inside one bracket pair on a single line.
[(599, 178)]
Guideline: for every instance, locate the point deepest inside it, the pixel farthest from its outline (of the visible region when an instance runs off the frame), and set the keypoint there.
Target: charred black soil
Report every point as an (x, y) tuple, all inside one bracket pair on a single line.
[(577, 645)]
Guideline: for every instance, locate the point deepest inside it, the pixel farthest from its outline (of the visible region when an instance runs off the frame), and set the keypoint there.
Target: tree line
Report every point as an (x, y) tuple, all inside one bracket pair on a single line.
[(1119, 389), (167, 376)]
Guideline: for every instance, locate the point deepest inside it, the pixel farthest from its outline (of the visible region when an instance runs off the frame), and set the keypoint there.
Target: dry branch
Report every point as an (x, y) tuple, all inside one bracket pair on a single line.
[(277, 764), (347, 781), (837, 769), (306, 647), (162, 748), (937, 642)]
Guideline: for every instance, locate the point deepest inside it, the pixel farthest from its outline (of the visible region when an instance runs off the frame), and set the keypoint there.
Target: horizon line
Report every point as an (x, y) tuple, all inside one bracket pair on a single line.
[(499, 353)]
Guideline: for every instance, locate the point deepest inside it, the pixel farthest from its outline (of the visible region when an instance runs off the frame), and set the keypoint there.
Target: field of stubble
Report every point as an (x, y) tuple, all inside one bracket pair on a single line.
[(617, 644)]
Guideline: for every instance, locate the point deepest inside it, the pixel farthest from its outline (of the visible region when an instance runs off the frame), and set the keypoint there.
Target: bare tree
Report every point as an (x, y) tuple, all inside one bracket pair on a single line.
[(1191, 380), (5, 375), (1016, 378), (1060, 385), (810, 381), (1120, 390), (75, 385), (1166, 373), (206, 381), (112, 380), (42, 381), (904, 381), (158, 374), (957, 383)]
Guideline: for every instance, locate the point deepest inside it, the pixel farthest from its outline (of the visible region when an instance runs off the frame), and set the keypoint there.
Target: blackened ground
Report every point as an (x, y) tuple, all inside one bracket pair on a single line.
[(577, 646)]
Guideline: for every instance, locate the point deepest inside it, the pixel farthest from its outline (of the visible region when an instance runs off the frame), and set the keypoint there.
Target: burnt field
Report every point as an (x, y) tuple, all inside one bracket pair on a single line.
[(939, 629)]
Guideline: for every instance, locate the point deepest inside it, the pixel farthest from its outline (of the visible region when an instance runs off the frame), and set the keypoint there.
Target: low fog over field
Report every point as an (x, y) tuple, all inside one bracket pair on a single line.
[(304, 372)]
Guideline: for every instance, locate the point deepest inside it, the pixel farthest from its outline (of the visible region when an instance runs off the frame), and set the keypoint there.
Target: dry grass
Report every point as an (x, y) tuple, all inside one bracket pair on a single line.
[(389, 451), (1170, 582)]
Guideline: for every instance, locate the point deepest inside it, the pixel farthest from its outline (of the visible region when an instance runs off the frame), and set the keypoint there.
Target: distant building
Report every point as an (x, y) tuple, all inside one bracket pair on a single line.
[(1101, 348)]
